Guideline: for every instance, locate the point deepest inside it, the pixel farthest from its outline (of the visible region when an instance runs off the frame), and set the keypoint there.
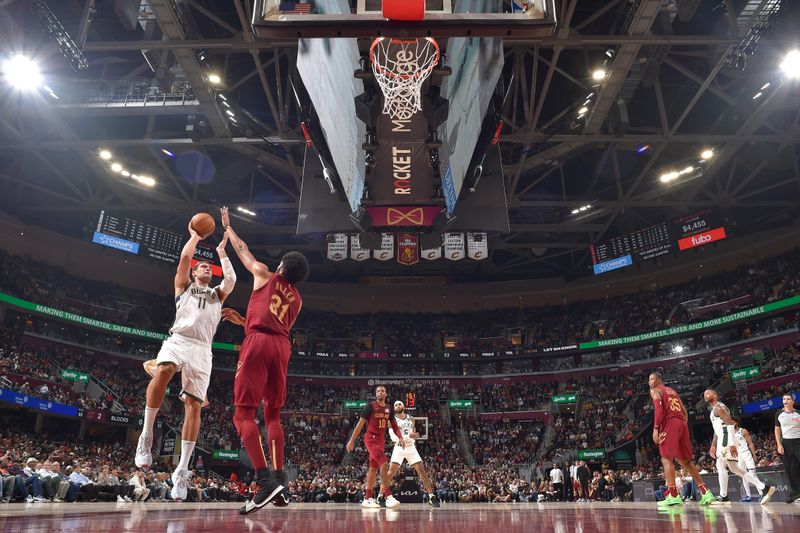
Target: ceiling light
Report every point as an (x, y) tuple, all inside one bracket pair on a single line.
[(229, 112), (583, 110), (642, 149), (146, 180), (669, 176), (105, 154), (757, 95), (22, 73), (599, 75), (222, 96), (167, 152), (215, 79), (116, 167), (125, 173), (246, 211), (583, 208), (679, 349), (226, 104), (765, 86), (791, 64), (575, 211), (706, 154)]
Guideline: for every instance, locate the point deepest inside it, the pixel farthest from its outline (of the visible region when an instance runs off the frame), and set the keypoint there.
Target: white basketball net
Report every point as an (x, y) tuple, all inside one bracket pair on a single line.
[(401, 66)]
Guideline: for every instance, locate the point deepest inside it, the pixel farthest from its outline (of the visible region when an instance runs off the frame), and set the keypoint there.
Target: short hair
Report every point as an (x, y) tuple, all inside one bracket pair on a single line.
[(380, 387), (789, 394), (191, 271), (658, 375), (736, 420), (295, 267)]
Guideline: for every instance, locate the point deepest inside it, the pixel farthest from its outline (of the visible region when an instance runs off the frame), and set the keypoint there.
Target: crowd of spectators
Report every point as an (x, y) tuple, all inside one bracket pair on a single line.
[(530, 328)]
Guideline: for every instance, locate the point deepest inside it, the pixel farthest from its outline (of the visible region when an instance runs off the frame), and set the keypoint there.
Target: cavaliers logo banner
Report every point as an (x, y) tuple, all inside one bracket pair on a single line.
[(407, 248), (357, 253), (454, 246), (386, 251), (477, 246), (337, 250), (403, 216), (432, 254)]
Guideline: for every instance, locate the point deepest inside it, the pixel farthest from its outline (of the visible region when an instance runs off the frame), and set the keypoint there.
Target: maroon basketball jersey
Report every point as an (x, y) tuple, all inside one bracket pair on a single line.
[(273, 308), (378, 417), (670, 404)]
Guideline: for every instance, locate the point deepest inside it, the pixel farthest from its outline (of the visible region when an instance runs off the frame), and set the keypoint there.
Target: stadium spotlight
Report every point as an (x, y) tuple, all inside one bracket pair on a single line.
[(599, 75), (145, 180), (706, 154), (116, 167), (246, 211), (105, 154), (679, 349), (22, 73), (214, 79), (791, 64)]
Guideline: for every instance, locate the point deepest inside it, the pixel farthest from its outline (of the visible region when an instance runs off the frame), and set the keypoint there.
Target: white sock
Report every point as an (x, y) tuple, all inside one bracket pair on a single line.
[(751, 478), (187, 447), (746, 488), (149, 419)]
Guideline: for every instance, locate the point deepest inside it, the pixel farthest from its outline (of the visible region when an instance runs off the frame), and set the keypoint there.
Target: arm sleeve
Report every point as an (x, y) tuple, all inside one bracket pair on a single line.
[(366, 412), (659, 414), (228, 276), (777, 419), (396, 429)]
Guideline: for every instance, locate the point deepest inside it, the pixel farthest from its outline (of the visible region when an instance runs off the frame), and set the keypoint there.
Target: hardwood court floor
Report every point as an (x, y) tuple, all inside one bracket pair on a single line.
[(456, 518)]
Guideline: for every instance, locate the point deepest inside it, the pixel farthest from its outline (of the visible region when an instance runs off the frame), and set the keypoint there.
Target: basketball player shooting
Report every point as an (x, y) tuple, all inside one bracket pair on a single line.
[(263, 363), (725, 450), (408, 451), (377, 417), (671, 434), (198, 310)]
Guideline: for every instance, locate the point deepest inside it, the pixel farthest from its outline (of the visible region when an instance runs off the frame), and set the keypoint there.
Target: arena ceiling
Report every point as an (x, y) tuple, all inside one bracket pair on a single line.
[(683, 76)]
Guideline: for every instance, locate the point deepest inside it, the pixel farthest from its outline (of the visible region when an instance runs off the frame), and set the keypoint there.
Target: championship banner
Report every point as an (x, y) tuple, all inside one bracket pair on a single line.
[(432, 254), (403, 216), (337, 250), (477, 246), (407, 248), (386, 251), (357, 253), (454, 246)]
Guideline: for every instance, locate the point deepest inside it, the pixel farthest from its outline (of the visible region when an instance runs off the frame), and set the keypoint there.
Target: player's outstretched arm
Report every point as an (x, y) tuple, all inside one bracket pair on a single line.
[(232, 316), (397, 431), (228, 273), (182, 273), (259, 270), (351, 444)]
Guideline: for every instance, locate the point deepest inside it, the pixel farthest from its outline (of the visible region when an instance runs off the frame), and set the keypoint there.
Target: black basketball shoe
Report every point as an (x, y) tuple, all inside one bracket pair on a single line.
[(268, 489)]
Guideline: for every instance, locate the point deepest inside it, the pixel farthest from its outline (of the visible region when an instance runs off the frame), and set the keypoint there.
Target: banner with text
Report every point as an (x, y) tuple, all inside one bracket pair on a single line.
[(477, 246), (225, 455), (74, 375), (746, 373), (454, 246), (386, 251), (337, 247), (461, 404), (565, 398), (688, 328)]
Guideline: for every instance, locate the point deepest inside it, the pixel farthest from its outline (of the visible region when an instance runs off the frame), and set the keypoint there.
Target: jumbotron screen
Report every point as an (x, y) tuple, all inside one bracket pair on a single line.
[(685, 233), (135, 237)]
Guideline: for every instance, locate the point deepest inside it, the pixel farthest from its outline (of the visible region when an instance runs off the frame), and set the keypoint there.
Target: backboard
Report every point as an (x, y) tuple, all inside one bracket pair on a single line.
[(278, 20)]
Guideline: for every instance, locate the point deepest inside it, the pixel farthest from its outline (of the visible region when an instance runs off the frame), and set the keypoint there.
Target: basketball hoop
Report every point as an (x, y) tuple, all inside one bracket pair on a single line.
[(401, 66)]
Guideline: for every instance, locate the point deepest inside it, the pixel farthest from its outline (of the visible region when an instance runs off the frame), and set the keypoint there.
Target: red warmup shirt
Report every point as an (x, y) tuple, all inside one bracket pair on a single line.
[(273, 308), (670, 405), (378, 418)]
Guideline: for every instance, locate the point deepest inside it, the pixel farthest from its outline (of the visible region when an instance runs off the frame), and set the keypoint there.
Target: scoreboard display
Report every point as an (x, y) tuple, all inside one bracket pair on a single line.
[(683, 233), (135, 237)]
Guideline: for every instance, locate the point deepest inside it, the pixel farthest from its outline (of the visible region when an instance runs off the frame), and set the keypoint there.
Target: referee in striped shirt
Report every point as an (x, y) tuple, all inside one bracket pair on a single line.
[(787, 436)]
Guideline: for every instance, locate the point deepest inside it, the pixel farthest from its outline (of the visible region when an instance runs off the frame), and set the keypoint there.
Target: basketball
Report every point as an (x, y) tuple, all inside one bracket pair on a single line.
[(203, 224)]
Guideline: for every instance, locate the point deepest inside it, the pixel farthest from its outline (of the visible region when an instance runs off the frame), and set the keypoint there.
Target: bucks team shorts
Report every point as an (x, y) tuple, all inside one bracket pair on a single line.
[(261, 370), (192, 358), (409, 453)]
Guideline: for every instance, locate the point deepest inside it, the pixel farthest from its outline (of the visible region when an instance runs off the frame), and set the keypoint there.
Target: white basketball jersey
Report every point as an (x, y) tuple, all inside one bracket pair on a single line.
[(197, 313), (406, 426), (719, 426), (741, 445)]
